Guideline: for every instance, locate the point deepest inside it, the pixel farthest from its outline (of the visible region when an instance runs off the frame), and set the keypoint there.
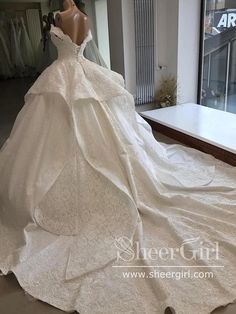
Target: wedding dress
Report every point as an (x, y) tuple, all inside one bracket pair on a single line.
[(16, 57), (26, 48), (48, 54), (82, 179)]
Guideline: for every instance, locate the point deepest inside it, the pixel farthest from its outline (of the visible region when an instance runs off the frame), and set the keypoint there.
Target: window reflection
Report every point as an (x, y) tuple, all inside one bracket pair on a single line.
[(219, 54)]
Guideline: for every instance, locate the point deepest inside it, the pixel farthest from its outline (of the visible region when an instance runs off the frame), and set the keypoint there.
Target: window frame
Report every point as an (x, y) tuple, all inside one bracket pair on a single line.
[(201, 51)]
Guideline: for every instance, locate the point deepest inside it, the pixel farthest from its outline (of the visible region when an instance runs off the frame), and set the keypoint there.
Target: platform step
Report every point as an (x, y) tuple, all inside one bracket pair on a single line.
[(210, 130)]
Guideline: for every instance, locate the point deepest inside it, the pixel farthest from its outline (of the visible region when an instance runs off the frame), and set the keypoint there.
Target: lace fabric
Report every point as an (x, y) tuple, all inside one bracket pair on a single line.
[(68, 49), (75, 77), (80, 172)]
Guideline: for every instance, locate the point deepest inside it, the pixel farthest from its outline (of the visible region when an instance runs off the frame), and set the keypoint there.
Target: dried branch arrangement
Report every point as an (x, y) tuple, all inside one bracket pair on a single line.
[(166, 94)]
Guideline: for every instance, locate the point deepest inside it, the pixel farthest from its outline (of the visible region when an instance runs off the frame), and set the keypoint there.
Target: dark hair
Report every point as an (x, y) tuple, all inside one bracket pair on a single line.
[(80, 5)]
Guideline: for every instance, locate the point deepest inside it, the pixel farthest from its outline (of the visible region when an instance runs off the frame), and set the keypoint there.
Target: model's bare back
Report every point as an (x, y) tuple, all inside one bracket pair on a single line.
[(73, 22)]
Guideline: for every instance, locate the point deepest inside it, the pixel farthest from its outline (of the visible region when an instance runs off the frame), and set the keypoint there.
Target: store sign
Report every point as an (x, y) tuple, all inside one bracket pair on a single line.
[(225, 20)]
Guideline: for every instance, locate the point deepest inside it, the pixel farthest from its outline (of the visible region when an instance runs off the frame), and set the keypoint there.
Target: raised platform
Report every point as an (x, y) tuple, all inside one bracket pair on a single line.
[(209, 130)]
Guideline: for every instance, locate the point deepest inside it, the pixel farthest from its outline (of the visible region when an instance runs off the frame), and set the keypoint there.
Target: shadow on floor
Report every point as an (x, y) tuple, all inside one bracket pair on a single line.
[(13, 300)]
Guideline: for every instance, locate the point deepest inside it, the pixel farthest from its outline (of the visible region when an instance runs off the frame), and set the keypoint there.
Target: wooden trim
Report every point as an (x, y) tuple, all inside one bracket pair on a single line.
[(217, 152)]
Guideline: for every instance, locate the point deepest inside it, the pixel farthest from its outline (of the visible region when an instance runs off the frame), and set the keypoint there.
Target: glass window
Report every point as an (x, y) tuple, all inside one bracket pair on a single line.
[(218, 78)]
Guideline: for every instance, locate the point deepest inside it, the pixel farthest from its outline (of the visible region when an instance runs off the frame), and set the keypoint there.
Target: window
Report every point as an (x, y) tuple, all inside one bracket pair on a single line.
[(218, 78)]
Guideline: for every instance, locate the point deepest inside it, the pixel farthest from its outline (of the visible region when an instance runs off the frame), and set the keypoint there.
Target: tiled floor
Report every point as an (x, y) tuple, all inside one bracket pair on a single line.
[(13, 300)]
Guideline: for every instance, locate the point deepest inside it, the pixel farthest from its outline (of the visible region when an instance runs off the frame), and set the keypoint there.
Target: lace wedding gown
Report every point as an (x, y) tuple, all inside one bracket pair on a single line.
[(16, 57), (83, 181), (26, 48)]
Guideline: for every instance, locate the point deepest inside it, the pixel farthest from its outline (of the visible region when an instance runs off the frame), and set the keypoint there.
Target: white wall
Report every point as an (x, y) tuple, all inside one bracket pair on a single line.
[(177, 32), (166, 38), (166, 14), (129, 45), (177, 44), (102, 30), (188, 49), (114, 9), (122, 41), (90, 10)]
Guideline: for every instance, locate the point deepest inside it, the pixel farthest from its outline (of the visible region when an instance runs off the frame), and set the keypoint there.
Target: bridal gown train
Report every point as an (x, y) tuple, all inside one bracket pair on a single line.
[(83, 182)]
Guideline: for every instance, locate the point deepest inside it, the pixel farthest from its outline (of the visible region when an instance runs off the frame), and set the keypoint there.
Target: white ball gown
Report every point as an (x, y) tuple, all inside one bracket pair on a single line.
[(16, 57), (82, 181), (26, 48)]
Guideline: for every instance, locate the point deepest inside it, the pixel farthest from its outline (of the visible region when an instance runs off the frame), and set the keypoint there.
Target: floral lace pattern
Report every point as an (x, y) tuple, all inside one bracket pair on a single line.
[(81, 173)]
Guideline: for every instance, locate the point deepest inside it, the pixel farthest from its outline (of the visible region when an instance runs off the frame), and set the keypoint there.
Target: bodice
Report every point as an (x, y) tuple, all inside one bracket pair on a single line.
[(74, 77), (66, 48)]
